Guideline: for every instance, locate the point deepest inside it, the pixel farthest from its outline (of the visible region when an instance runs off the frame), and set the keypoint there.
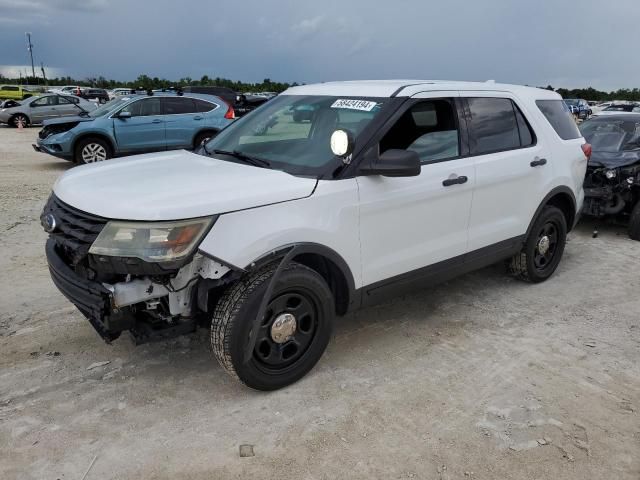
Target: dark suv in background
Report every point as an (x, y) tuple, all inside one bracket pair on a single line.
[(96, 94)]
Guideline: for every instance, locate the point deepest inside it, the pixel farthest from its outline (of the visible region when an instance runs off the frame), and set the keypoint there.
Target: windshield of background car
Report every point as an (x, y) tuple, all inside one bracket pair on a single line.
[(108, 107), (612, 135), (292, 132), (571, 101)]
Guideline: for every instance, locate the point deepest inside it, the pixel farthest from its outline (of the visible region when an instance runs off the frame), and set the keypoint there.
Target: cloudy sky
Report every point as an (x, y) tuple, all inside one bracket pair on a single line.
[(564, 43)]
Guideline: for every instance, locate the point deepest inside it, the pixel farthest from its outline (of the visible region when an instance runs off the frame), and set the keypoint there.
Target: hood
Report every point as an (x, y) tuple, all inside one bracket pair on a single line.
[(175, 185), (614, 159), (61, 120)]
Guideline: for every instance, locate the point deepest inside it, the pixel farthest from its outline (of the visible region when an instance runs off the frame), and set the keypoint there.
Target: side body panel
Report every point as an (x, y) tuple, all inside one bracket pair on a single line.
[(410, 223)]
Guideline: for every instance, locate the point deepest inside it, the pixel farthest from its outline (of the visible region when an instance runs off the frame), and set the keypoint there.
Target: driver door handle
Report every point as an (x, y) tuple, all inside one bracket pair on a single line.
[(197, 118), (455, 181), (538, 162), (157, 120)]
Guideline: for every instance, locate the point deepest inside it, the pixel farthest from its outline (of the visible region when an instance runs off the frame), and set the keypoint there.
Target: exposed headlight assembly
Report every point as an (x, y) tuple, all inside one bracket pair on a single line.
[(151, 241), (610, 174)]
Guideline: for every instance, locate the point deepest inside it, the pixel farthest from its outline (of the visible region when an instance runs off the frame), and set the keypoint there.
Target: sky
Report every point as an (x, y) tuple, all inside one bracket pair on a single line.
[(565, 43)]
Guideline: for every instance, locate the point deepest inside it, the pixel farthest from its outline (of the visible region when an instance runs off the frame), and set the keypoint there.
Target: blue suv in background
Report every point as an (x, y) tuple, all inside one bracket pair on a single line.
[(579, 107), (136, 124)]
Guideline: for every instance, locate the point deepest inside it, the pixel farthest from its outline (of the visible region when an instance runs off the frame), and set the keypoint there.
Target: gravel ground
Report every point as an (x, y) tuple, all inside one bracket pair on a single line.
[(480, 378)]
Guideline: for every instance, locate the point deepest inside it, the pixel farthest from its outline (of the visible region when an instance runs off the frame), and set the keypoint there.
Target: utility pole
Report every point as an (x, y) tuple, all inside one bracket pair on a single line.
[(43, 75), (30, 48)]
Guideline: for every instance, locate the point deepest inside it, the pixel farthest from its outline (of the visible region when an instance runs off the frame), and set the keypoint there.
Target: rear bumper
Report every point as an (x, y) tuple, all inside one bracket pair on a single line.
[(91, 298)]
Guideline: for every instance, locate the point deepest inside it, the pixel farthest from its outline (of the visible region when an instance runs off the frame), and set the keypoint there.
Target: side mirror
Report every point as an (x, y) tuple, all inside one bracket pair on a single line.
[(392, 163), (124, 115), (342, 143)]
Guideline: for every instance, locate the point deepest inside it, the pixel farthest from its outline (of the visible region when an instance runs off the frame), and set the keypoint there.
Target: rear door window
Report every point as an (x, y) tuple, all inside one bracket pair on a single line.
[(558, 115), (203, 106), (493, 126), (178, 105)]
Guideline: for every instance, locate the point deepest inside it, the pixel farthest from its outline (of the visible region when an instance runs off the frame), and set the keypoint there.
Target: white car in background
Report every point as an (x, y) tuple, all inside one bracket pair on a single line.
[(273, 228), (618, 108), (119, 92), (66, 90)]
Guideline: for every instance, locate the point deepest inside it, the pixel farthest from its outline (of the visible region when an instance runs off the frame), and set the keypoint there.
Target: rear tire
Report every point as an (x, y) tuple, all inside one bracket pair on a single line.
[(92, 150), (300, 297), (634, 222), (543, 248)]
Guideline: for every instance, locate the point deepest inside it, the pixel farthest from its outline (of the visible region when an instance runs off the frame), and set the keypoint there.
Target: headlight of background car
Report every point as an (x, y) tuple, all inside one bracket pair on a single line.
[(151, 241)]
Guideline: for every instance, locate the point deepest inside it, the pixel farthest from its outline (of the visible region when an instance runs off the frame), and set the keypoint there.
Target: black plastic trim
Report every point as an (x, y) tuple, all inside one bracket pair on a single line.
[(557, 190), (439, 272), (313, 248)]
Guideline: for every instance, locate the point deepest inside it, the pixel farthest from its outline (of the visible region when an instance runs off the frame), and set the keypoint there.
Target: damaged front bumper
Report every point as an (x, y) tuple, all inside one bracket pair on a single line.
[(91, 298), (151, 308)]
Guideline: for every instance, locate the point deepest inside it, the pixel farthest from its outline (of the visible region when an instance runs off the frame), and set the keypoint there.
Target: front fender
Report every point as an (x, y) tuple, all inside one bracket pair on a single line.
[(328, 220)]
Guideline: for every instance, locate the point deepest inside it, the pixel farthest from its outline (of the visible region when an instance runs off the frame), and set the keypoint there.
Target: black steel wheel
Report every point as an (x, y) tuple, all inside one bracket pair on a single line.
[(543, 247), (293, 333), (546, 244)]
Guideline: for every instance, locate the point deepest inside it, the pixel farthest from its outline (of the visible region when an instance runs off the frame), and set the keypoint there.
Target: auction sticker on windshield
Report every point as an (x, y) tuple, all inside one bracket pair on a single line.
[(363, 105)]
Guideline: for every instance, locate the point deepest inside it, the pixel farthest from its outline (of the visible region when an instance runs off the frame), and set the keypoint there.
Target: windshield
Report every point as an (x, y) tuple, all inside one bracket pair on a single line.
[(612, 135), (108, 107), (571, 101), (292, 132)]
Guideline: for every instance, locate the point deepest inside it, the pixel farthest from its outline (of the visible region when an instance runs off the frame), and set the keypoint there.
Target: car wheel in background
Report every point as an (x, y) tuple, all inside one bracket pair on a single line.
[(203, 137), (92, 150), (543, 247), (293, 333), (19, 119), (634, 222)]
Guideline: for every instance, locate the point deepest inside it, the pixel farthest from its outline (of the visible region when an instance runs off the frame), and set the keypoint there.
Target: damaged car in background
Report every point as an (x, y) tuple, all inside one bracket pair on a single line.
[(612, 183)]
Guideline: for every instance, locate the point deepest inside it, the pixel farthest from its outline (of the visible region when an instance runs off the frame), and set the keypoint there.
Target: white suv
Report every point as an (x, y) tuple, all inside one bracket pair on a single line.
[(275, 227)]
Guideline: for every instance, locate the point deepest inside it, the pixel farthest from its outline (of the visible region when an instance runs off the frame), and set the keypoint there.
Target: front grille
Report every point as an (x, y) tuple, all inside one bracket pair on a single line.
[(75, 230)]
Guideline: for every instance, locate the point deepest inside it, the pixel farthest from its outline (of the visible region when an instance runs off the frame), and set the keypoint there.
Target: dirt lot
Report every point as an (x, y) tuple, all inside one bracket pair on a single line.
[(481, 378)]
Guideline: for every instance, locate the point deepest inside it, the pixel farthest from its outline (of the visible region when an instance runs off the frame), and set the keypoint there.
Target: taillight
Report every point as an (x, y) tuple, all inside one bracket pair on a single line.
[(230, 115), (586, 149)]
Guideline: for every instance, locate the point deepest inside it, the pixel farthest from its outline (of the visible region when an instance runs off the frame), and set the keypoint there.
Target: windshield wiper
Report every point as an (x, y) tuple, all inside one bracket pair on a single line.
[(255, 161)]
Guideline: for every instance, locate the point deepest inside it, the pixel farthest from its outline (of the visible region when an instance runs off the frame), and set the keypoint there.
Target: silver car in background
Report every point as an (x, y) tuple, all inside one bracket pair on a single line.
[(36, 110)]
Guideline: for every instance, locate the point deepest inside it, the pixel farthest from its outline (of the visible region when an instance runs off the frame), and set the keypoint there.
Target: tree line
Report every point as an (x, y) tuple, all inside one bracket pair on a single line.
[(591, 93), (268, 85), (147, 82)]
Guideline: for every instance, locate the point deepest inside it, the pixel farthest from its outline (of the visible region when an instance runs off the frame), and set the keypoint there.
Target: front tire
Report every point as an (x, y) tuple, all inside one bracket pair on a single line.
[(92, 150), (294, 332), (543, 247), (203, 137), (18, 119)]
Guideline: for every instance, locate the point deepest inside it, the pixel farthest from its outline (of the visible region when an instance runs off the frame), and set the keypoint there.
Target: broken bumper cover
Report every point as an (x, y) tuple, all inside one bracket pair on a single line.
[(91, 298)]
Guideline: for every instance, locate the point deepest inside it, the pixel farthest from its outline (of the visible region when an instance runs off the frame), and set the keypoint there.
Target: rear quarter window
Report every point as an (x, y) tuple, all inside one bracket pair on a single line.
[(558, 115)]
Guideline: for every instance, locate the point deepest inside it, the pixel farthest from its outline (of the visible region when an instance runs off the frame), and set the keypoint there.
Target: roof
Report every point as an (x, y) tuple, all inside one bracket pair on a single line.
[(628, 116), (407, 88)]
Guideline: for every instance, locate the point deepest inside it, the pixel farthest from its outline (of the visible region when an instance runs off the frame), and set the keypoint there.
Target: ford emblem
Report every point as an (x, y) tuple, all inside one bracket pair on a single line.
[(49, 223)]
